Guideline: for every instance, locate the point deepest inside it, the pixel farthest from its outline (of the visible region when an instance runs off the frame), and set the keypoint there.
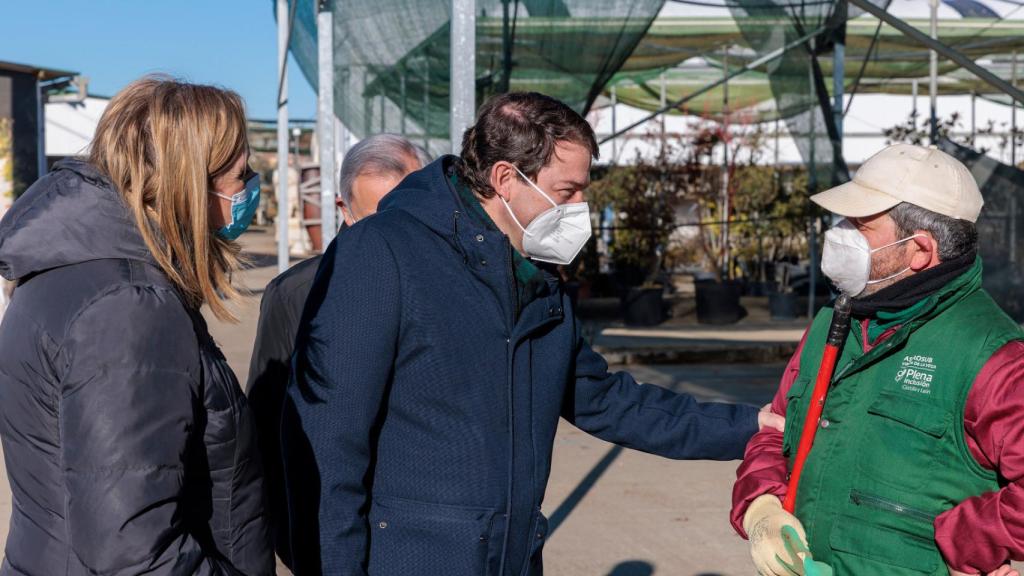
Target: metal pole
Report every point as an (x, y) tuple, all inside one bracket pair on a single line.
[(346, 77), (913, 96), (812, 183), (812, 179), (506, 48), (426, 104), (974, 110), (325, 121), (1013, 229), (725, 166), (776, 143), (946, 51), (40, 128), (838, 80), (462, 92), (367, 106), (813, 268), (405, 102), (1013, 114), (776, 175), (283, 211), (661, 104), (615, 143), (933, 75)]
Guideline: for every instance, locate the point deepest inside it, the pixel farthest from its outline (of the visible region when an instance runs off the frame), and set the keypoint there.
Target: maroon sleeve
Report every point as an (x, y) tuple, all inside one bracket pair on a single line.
[(982, 532), (763, 470)]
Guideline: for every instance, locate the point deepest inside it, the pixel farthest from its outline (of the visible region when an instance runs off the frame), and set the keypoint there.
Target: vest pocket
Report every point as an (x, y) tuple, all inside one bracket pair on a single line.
[(886, 505), (796, 412), (860, 547), (422, 539), (903, 431), (922, 416)]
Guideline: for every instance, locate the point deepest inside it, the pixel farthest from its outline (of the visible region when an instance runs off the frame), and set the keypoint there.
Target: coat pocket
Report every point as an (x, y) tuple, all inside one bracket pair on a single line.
[(860, 547), (409, 538), (535, 567)]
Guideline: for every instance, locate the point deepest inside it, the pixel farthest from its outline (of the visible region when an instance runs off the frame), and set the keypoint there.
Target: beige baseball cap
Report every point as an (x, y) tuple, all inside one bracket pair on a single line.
[(925, 177)]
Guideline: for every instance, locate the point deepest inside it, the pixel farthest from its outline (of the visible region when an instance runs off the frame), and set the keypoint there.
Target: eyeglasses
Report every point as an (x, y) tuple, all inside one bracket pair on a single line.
[(248, 172)]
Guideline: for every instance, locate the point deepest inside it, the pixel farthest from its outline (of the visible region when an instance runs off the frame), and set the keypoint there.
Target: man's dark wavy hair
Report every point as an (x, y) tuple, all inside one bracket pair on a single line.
[(521, 128)]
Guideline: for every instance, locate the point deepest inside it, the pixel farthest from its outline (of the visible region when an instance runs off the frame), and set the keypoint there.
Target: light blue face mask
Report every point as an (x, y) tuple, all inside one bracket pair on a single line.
[(243, 208)]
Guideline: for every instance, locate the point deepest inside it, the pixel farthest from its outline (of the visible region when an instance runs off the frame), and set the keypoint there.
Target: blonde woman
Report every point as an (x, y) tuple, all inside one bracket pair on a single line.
[(128, 443)]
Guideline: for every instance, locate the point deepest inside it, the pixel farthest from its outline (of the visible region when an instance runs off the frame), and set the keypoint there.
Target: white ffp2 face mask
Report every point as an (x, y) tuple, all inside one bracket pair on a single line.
[(846, 258), (556, 235)]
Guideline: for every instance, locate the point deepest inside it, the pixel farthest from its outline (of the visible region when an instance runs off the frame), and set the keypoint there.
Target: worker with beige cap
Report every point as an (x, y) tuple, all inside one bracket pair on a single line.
[(917, 465)]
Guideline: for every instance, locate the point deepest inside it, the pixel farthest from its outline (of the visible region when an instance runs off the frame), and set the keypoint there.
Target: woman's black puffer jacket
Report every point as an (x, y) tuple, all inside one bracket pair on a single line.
[(128, 443)]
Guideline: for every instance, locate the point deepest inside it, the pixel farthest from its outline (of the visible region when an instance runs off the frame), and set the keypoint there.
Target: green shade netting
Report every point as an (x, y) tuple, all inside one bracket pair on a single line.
[(798, 83), (894, 62), (392, 60), (877, 60)]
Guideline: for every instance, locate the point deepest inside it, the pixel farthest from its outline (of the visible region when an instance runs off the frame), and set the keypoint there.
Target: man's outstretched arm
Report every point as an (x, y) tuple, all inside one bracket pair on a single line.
[(615, 408)]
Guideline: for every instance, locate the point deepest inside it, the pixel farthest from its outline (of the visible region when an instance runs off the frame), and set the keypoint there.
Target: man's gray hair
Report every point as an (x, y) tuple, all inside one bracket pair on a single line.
[(381, 154), (955, 237)]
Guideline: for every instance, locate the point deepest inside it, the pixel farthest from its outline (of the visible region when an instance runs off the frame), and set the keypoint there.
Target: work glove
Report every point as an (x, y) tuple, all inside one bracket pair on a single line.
[(778, 543), (800, 560)]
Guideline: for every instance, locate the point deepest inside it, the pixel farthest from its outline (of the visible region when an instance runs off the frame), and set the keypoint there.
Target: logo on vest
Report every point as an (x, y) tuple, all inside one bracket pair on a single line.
[(916, 374)]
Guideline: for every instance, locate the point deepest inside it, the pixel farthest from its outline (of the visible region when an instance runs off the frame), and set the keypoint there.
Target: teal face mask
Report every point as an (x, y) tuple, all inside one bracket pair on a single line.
[(243, 207)]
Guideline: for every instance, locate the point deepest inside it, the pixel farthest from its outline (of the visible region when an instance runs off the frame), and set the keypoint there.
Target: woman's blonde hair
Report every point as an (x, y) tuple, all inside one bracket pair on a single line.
[(161, 142)]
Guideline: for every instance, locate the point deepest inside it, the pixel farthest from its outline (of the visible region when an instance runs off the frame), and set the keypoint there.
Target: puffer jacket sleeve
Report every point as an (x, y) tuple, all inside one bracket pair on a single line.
[(615, 408), (128, 410)]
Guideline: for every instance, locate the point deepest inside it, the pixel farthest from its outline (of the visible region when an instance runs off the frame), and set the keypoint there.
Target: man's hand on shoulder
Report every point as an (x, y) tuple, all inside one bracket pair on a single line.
[(768, 419)]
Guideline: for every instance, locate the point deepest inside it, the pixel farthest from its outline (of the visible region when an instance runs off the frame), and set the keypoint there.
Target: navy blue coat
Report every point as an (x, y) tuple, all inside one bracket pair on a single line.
[(431, 403)]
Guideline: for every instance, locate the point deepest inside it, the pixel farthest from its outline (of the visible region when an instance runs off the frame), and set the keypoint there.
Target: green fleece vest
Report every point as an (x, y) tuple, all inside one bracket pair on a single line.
[(890, 454)]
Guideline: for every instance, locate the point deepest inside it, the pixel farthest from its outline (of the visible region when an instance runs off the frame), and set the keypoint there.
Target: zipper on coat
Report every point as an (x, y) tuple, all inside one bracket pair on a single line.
[(512, 283), (510, 372), (878, 503)]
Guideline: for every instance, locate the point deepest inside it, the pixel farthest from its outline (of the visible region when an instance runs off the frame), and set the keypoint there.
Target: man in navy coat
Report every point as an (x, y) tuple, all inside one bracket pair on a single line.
[(438, 350)]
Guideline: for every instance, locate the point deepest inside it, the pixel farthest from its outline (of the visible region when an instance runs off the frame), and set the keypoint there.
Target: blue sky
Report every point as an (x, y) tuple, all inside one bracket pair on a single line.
[(232, 43)]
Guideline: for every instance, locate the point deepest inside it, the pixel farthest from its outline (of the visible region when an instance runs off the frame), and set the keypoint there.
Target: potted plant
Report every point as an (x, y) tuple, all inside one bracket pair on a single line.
[(718, 298), (782, 302), (643, 197), (771, 212)]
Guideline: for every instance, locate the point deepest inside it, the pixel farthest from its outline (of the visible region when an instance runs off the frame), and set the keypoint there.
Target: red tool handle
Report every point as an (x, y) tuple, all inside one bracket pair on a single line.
[(837, 332)]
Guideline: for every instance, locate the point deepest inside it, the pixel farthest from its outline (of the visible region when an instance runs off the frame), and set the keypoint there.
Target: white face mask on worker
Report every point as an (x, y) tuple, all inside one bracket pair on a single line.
[(556, 235), (846, 258)]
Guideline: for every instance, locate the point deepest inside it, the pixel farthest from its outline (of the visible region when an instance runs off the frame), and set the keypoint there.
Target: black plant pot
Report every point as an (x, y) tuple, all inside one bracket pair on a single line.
[(719, 302), (625, 278), (760, 288), (644, 306), (783, 305)]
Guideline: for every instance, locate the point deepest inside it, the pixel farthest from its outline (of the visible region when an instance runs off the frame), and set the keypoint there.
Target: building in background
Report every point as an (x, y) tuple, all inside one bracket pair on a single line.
[(71, 125), (23, 91)]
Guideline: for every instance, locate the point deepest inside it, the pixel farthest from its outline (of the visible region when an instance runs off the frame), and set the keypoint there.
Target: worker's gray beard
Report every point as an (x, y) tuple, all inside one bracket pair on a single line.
[(885, 263)]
